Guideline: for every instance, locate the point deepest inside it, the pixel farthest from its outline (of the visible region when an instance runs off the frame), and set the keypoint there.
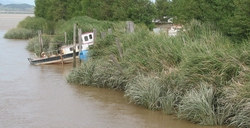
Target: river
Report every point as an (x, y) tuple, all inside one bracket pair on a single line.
[(39, 96)]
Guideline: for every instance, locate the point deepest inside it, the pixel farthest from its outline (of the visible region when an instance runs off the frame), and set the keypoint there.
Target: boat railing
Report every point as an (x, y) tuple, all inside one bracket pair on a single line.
[(45, 54)]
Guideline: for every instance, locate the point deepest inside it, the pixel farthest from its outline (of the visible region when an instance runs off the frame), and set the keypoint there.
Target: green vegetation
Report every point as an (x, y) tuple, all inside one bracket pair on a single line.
[(199, 75), (230, 16), (140, 11)]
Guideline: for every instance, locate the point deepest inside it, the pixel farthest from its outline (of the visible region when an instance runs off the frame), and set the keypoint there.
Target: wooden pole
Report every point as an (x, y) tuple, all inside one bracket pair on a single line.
[(110, 31), (65, 37), (103, 35), (40, 42), (80, 42), (74, 49), (95, 34), (116, 63), (130, 26), (119, 47)]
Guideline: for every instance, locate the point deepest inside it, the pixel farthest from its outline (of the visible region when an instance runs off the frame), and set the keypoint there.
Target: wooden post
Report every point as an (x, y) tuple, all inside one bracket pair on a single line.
[(103, 35), (119, 47), (65, 37), (110, 31), (40, 42), (116, 63), (80, 42), (74, 49), (130, 26), (95, 34)]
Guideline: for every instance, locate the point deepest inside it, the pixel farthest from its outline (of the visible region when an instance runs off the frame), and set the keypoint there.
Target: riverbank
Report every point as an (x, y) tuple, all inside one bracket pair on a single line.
[(192, 72)]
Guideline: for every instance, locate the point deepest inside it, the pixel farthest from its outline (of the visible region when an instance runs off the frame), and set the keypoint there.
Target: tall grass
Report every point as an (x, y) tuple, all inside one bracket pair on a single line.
[(19, 33), (34, 45), (98, 73), (197, 106), (144, 91), (28, 28), (165, 73)]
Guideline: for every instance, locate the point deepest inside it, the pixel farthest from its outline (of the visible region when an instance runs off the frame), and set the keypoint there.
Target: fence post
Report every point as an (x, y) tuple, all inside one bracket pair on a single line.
[(80, 42), (95, 34), (74, 49), (40, 41), (116, 63), (130, 26), (119, 47), (110, 31), (103, 35), (65, 37)]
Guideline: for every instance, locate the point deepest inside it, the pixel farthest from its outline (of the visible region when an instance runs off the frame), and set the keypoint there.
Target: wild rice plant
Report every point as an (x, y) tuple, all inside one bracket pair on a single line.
[(197, 106), (20, 33), (144, 91)]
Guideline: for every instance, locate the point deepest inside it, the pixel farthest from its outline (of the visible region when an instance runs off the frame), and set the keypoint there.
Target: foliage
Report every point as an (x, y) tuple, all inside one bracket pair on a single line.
[(36, 23), (191, 74), (197, 106), (144, 91), (229, 16), (19, 33), (34, 46), (110, 10)]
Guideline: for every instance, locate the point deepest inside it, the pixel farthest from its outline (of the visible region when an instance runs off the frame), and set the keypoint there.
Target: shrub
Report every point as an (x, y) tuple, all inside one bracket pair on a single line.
[(20, 33)]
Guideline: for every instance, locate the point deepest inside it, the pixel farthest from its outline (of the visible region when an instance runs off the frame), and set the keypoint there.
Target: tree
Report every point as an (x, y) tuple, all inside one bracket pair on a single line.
[(163, 9)]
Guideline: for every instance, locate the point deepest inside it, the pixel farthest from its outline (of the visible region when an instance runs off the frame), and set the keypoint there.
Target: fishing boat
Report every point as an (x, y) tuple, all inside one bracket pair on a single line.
[(66, 53)]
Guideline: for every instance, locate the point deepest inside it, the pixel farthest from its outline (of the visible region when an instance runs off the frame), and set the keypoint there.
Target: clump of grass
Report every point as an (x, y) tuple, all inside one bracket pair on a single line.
[(197, 106), (19, 33), (83, 75), (144, 91), (34, 46), (99, 73), (242, 115), (168, 101), (37, 23)]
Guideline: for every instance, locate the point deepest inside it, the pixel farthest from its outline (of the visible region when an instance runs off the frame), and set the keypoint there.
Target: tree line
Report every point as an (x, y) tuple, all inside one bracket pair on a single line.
[(229, 16)]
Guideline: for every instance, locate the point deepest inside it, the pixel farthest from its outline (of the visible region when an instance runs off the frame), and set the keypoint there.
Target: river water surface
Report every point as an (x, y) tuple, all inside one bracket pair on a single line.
[(39, 96)]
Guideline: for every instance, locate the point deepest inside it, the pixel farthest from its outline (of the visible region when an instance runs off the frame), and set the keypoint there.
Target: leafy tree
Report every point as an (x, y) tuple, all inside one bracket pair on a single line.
[(163, 9)]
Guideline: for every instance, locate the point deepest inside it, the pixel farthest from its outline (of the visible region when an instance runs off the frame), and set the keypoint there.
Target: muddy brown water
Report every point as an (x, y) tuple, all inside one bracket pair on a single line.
[(39, 96)]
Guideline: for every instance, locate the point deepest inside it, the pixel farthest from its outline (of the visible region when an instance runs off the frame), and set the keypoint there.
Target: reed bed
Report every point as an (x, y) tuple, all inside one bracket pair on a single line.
[(35, 46), (28, 28), (144, 91), (98, 73), (197, 106), (190, 75), (19, 33)]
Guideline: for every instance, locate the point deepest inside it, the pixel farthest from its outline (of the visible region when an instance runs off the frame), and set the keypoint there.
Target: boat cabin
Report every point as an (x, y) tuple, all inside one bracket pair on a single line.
[(87, 38)]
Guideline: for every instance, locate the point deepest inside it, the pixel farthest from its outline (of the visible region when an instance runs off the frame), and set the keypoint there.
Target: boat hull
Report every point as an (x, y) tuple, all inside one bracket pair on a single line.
[(59, 59)]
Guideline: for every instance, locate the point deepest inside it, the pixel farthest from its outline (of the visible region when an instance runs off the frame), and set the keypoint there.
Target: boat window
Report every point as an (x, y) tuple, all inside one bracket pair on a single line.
[(90, 36), (71, 49), (86, 38)]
